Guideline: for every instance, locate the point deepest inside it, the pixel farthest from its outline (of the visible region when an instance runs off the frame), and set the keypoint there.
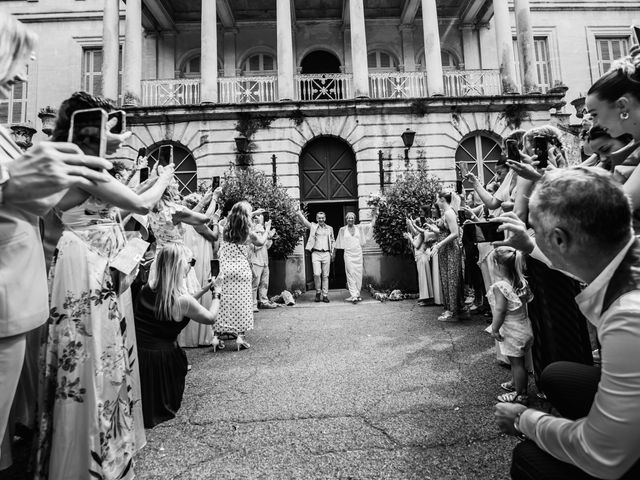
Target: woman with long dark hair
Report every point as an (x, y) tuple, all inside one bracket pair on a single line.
[(87, 415), (447, 247), (163, 309)]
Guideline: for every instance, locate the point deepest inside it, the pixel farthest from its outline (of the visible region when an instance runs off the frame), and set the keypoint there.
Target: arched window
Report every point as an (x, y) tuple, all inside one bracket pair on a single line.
[(259, 64), (449, 60), (186, 170), (379, 60), (479, 151), (190, 67)]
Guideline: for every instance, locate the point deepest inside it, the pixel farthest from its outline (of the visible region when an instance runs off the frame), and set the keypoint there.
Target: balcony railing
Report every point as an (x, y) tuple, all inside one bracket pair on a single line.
[(181, 91), (470, 83), (323, 86), (398, 85), (318, 87), (248, 89)]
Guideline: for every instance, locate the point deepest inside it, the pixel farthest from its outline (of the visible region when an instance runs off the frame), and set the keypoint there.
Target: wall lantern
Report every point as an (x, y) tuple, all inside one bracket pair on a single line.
[(407, 137)]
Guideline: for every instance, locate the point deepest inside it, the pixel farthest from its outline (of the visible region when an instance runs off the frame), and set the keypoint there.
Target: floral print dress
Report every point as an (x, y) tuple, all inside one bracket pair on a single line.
[(86, 413)]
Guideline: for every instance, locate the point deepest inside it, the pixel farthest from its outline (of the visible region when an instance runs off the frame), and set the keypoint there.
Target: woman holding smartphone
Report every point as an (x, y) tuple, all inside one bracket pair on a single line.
[(87, 417)]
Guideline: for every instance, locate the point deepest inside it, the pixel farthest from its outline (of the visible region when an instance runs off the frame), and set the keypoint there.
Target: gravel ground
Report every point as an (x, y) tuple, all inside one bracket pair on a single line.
[(368, 391)]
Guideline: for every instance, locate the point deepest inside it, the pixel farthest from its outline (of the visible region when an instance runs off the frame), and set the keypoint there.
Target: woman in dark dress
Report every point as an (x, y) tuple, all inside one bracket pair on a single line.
[(161, 312)]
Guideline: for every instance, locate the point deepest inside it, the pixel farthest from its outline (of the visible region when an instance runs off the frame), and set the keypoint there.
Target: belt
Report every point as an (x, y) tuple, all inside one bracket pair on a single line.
[(316, 250)]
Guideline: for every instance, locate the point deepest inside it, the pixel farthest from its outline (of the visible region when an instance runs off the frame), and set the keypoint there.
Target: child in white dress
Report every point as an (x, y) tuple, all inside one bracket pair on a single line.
[(511, 327)]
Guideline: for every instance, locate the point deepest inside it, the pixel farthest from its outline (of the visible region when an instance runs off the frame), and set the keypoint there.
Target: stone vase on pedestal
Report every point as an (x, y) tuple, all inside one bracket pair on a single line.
[(22, 134), (48, 117), (579, 104)]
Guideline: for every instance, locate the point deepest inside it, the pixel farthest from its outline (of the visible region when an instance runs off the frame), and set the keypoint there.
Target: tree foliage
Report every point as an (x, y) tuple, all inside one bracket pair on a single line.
[(258, 189), (415, 187)]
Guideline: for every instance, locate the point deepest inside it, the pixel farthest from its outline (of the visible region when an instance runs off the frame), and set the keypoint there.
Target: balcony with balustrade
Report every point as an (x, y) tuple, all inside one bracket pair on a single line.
[(320, 87)]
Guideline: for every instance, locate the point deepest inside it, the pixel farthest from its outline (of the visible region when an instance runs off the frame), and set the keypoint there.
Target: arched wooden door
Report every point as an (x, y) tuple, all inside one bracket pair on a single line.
[(328, 183)]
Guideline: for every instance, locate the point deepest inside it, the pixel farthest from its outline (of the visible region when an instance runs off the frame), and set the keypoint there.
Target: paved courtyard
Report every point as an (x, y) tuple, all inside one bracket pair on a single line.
[(339, 391)]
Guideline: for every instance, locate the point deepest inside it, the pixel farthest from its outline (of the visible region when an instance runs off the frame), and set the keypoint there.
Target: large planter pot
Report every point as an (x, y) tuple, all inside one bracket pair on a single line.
[(48, 117), (22, 134), (579, 104)]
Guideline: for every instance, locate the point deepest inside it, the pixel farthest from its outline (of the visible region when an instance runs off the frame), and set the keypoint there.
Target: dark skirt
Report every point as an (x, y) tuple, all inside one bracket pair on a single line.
[(163, 369)]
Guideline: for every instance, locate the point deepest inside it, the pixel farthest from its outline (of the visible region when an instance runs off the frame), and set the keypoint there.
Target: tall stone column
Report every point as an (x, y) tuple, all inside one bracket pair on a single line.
[(285, 50), (209, 52), (359, 52), (408, 50), (432, 52), (526, 46), (132, 70), (470, 46), (110, 48), (504, 44)]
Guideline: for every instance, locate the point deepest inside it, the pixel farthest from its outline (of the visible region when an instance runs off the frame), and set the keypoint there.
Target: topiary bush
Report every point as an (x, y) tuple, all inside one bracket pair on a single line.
[(258, 189), (415, 187)]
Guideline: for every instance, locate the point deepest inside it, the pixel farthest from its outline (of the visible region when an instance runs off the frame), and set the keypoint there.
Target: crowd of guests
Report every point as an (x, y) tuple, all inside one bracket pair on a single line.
[(101, 342)]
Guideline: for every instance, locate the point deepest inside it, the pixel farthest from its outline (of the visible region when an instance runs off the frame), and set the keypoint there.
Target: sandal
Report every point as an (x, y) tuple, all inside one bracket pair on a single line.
[(508, 386), (513, 397)]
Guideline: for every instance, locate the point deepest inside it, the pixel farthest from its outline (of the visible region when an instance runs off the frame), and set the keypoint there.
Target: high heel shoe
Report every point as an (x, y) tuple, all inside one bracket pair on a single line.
[(241, 343), (216, 343)]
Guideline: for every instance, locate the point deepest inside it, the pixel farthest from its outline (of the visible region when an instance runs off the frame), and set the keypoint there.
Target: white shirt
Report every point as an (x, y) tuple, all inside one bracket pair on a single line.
[(606, 443)]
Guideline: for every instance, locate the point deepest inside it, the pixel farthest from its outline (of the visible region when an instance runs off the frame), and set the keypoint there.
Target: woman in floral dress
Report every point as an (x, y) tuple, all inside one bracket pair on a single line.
[(236, 308), (86, 422)]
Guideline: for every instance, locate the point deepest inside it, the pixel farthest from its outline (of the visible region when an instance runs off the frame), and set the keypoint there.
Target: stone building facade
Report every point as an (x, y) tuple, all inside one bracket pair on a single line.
[(330, 85)]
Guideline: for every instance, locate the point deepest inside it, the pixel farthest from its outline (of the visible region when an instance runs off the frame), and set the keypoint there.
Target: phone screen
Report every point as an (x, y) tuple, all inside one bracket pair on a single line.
[(144, 172), (265, 216), (541, 150), (122, 121), (512, 151), (88, 131), (215, 183), (215, 267), (482, 232)]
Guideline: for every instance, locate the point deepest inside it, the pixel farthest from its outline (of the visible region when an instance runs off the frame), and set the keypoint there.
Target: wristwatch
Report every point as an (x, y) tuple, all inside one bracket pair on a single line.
[(4, 178), (516, 426)]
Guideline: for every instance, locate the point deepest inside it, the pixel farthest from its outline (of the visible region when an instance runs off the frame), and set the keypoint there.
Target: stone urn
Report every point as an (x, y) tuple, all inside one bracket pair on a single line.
[(579, 104), (48, 117), (22, 134)]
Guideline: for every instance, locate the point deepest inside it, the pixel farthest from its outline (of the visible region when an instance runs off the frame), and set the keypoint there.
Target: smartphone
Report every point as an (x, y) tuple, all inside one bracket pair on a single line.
[(541, 149), (462, 217), (144, 172), (423, 220), (482, 232), (512, 150), (121, 116), (215, 182), (88, 131), (265, 215), (215, 267), (636, 33)]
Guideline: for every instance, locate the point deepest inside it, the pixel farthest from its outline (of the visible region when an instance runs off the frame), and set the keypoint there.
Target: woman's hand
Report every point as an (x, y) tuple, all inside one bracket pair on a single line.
[(505, 416), (165, 174), (407, 235), (115, 140), (526, 170), (518, 237), (434, 250), (141, 163)]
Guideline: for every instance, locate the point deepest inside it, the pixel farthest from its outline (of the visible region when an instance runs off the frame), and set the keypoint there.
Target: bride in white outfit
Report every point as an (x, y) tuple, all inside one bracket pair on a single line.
[(352, 238)]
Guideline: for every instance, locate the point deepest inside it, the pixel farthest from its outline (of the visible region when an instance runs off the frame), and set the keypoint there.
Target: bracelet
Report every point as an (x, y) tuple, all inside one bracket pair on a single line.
[(216, 295)]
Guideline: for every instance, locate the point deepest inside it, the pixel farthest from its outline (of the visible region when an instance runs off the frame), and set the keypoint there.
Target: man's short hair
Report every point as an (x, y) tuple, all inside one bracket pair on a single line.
[(585, 202)]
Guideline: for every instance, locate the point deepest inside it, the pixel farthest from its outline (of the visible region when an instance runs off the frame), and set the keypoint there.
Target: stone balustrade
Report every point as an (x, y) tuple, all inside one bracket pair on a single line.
[(318, 87)]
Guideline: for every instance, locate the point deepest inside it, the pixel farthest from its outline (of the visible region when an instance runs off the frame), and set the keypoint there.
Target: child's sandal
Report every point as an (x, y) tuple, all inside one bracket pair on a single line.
[(508, 386), (513, 397)]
